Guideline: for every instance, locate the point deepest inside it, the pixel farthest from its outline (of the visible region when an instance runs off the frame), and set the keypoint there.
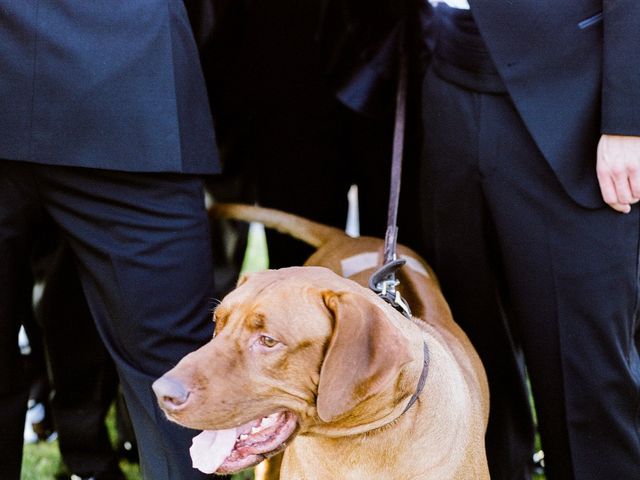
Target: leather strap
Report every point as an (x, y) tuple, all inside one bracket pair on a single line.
[(396, 163), (422, 380), (384, 281)]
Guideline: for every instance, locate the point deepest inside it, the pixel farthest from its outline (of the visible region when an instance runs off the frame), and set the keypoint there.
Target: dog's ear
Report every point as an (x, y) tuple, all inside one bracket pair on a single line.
[(365, 354)]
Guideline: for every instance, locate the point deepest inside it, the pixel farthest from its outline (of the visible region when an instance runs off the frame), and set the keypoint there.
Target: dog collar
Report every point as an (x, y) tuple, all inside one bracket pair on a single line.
[(422, 380)]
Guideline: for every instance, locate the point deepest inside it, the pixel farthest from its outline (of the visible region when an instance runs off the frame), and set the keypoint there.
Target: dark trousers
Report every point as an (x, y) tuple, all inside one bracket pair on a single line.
[(142, 246), (280, 125), (528, 271), (83, 377), (308, 170)]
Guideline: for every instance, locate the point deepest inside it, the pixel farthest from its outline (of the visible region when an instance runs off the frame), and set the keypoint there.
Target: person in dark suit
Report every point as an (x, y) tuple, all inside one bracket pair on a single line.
[(105, 128), (303, 104), (530, 171)]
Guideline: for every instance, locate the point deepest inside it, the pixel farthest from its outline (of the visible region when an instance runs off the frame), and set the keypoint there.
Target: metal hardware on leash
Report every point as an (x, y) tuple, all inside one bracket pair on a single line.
[(384, 283)]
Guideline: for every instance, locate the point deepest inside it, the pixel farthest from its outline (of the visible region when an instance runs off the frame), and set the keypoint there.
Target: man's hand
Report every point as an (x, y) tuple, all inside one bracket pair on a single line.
[(618, 171)]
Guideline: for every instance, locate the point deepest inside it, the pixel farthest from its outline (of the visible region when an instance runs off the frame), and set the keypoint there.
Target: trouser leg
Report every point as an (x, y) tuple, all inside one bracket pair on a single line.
[(143, 249), (368, 152), (572, 275), (462, 248), (83, 375), (15, 306), (568, 283), (306, 172)]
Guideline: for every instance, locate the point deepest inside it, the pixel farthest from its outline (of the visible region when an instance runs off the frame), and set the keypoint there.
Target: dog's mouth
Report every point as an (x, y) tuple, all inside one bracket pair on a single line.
[(232, 450)]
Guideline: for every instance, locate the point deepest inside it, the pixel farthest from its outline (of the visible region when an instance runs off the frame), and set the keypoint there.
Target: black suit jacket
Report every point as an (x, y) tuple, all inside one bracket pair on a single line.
[(573, 71), (105, 84), (571, 68)]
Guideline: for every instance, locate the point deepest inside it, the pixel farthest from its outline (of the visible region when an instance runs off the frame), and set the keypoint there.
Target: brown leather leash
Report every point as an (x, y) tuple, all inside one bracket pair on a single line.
[(384, 281)]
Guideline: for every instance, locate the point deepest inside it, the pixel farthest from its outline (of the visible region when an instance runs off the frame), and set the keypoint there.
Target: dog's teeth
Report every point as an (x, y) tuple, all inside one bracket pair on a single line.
[(244, 436), (254, 430), (267, 421)]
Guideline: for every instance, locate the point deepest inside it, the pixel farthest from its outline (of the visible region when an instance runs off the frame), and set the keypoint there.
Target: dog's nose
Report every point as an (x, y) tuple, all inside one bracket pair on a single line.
[(171, 393)]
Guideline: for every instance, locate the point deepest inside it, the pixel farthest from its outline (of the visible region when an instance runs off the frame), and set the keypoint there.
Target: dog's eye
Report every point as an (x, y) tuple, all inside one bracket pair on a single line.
[(268, 342)]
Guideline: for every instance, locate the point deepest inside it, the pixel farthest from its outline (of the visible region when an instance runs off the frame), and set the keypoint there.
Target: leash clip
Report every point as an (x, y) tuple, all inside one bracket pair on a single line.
[(384, 283)]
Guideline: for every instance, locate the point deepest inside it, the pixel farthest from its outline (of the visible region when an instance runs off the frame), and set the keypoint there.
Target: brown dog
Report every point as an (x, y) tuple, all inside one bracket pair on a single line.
[(305, 358)]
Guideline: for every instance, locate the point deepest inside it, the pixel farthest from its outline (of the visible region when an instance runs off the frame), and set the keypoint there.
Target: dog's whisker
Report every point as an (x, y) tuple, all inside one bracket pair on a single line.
[(214, 303)]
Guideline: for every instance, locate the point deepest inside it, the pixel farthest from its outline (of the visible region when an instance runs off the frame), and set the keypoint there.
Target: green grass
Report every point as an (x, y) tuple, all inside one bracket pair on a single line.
[(41, 460), (256, 257)]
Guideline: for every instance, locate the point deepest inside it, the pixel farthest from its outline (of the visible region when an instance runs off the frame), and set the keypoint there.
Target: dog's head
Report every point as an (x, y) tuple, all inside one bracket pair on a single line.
[(294, 350)]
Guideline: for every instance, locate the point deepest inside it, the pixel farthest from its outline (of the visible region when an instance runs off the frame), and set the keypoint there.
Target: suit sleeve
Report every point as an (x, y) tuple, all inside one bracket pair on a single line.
[(361, 41), (621, 67)]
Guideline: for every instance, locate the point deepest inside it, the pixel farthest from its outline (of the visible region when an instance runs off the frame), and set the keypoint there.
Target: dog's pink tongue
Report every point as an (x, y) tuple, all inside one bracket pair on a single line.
[(211, 447)]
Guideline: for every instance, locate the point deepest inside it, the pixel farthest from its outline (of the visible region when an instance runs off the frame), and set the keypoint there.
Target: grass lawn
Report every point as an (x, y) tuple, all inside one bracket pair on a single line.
[(40, 461)]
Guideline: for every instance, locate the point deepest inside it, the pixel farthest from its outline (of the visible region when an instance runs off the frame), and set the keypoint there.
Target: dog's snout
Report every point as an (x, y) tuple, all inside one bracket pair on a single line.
[(171, 393)]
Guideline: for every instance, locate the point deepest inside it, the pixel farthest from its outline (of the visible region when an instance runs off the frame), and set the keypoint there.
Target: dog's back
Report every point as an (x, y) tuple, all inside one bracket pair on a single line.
[(357, 258)]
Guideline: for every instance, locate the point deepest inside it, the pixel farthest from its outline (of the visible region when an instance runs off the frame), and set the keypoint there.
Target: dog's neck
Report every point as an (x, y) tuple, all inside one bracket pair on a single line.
[(335, 447)]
